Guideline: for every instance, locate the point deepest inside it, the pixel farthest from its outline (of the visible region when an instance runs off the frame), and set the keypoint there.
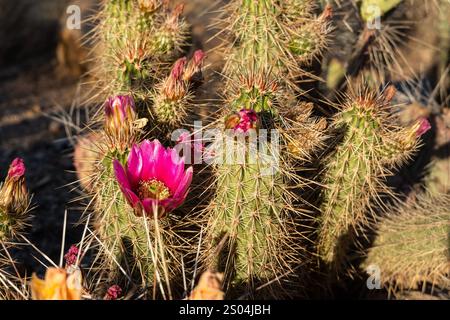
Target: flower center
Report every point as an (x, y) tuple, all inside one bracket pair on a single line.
[(153, 189)]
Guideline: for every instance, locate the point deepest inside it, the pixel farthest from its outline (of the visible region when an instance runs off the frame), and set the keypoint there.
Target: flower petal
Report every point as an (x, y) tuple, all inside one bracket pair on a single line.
[(184, 184), (134, 166), (121, 176)]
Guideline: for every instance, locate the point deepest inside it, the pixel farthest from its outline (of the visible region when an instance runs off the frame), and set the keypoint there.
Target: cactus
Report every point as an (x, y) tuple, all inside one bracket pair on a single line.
[(411, 246), (135, 237), (252, 226), (136, 42), (273, 36), (355, 172)]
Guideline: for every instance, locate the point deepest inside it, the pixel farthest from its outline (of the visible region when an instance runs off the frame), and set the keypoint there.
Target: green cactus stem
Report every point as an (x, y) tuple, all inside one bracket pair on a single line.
[(371, 145), (412, 244)]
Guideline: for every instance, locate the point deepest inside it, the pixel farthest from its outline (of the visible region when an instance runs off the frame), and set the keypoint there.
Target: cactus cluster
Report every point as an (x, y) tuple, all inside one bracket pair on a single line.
[(299, 180)]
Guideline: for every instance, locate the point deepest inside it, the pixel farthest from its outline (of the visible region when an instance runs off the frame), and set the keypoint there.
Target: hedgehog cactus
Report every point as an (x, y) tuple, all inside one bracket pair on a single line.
[(371, 145), (411, 246), (137, 188), (14, 215), (137, 41), (252, 227), (274, 36)]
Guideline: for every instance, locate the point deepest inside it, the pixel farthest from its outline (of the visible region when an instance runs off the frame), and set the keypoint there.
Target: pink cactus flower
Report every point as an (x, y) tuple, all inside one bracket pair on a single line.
[(71, 255), (423, 127), (16, 169), (113, 293), (154, 176)]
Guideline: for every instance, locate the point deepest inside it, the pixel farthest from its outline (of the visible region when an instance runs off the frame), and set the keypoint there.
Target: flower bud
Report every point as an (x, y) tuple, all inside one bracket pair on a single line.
[(71, 256), (14, 197), (113, 293), (120, 116), (194, 65), (209, 287), (174, 88)]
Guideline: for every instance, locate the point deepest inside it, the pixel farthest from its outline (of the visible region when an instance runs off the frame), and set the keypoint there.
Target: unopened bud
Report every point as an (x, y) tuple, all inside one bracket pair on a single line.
[(174, 88), (194, 65), (120, 116), (14, 197)]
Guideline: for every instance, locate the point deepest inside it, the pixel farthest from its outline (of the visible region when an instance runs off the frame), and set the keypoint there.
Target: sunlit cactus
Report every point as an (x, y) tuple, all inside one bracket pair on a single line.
[(273, 36), (135, 192), (411, 247), (138, 40), (370, 145), (251, 232)]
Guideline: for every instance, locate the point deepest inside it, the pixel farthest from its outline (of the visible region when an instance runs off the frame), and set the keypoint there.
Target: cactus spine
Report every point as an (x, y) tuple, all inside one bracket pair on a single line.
[(412, 244)]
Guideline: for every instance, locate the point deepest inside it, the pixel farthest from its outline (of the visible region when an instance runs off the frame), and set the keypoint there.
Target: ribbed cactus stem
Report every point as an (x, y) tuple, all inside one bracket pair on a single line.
[(247, 215), (370, 146), (412, 244), (272, 36)]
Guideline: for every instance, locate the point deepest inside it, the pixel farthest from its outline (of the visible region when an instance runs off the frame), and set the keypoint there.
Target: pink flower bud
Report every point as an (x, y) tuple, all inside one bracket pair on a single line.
[(113, 293), (71, 255), (16, 169), (174, 88), (178, 68), (194, 65), (423, 127)]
